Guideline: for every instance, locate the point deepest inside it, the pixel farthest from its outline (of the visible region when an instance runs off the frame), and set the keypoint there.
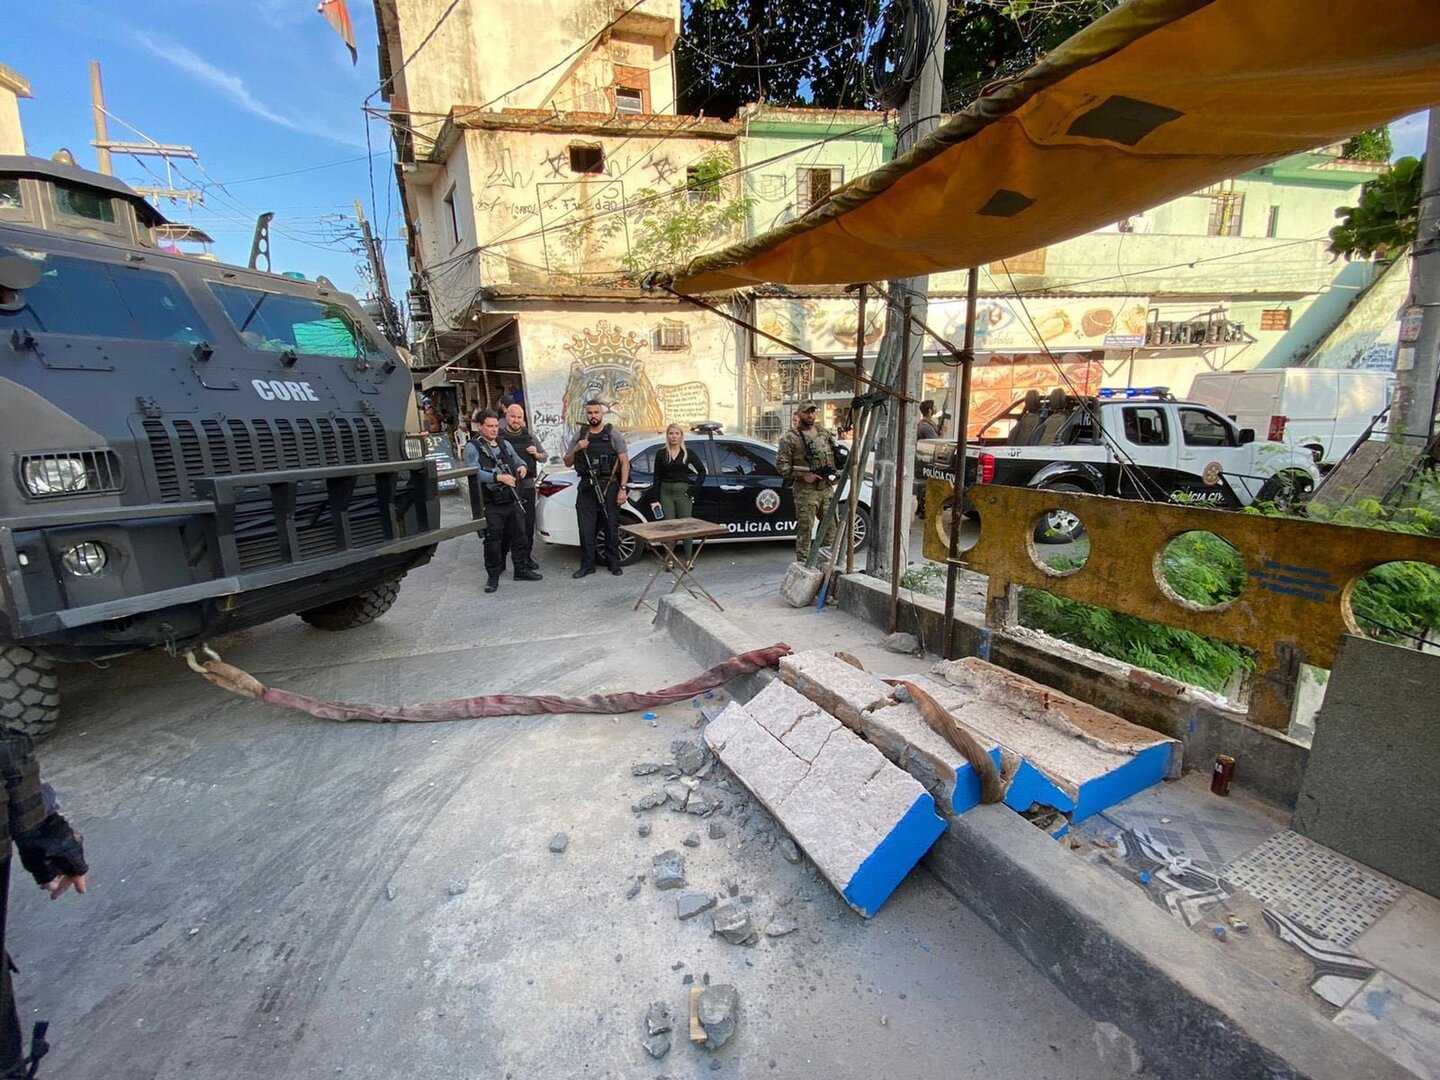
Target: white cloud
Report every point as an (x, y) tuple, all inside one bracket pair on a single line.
[(233, 87)]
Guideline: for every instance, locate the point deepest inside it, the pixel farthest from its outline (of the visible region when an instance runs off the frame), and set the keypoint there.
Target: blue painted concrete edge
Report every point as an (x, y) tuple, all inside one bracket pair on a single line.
[(894, 857), (1144, 770), (967, 785), (1030, 785)]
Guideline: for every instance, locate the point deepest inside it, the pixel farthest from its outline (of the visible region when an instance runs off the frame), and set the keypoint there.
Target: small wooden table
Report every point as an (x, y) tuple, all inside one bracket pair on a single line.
[(664, 538)]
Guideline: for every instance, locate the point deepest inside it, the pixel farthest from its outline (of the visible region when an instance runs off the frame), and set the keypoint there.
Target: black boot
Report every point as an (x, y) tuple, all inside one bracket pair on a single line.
[(492, 583), (528, 575)]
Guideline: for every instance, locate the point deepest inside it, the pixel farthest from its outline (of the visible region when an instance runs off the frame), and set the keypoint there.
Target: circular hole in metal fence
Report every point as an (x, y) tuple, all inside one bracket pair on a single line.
[(1397, 602), (1058, 542), (1201, 571), (943, 521)]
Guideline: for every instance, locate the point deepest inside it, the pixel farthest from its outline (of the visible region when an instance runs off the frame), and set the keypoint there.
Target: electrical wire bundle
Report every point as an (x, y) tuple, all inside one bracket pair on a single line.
[(900, 51)]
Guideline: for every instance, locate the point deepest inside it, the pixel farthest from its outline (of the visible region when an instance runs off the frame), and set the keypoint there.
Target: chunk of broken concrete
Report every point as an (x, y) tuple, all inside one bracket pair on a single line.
[(649, 801), (669, 869), (801, 584), (781, 926), (718, 1011), (657, 1018), (733, 924), (657, 1046), (693, 840), (559, 842), (717, 830), (456, 887), (690, 904), (678, 794), (645, 768), (903, 643), (690, 758), (789, 850)]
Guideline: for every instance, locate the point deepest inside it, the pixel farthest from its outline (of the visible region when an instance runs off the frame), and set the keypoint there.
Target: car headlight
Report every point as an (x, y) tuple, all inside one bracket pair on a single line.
[(53, 475), (84, 560), (414, 447)]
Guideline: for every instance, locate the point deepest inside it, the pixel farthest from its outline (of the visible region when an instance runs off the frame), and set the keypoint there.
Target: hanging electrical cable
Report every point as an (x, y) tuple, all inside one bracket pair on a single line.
[(900, 51)]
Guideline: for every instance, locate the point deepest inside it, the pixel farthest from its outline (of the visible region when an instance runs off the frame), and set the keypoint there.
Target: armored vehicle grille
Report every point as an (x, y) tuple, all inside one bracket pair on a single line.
[(257, 537), (184, 450)]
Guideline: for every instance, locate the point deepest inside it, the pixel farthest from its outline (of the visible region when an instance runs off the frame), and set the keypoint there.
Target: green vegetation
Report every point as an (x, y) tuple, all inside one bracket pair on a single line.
[(1386, 218), (672, 229), (1372, 145)]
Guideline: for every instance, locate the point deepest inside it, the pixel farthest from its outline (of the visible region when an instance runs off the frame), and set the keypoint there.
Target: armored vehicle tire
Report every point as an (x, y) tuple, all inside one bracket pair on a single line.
[(1060, 526), (29, 691), (356, 610)]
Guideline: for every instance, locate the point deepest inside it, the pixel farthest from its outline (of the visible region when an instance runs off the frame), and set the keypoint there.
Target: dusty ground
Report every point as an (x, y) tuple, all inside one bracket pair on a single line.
[(239, 923)]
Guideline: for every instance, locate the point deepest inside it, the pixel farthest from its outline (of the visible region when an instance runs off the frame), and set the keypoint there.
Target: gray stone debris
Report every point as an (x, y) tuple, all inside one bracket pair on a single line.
[(649, 801), (789, 850), (733, 924), (390, 890), (456, 887), (693, 840), (906, 644), (781, 926), (669, 869), (718, 1010), (645, 768), (689, 758), (644, 829), (704, 770), (717, 830), (678, 794), (690, 904), (657, 1046), (703, 802), (657, 1018), (634, 889), (559, 842)]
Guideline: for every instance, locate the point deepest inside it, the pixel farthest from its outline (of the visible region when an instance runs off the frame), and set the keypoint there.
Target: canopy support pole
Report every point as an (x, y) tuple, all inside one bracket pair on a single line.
[(962, 425)]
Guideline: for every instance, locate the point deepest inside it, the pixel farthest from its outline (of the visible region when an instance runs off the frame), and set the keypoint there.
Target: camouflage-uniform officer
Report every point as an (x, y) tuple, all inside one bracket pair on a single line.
[(53, 854), (807, 458)]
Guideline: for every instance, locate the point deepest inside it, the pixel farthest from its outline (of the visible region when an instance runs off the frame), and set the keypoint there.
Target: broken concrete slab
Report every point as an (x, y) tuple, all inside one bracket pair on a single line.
[(690, 904), (689, 758), (901, 642), (718, 1011), (842, 690), (668, 869), (1057, 751), (649, 801), (801, 584), (900, 733), (860, 819)]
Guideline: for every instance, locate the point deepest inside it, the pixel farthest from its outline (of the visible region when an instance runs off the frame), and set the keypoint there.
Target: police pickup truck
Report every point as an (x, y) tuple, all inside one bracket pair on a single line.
[(1136, 443), (189, 448)]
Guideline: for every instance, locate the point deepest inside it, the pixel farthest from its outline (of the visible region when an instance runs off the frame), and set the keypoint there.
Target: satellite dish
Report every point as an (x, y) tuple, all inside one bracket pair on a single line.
[(18, 273)]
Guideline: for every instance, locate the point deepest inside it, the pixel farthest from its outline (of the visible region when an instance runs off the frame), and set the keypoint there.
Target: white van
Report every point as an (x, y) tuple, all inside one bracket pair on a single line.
[(1323, 410)]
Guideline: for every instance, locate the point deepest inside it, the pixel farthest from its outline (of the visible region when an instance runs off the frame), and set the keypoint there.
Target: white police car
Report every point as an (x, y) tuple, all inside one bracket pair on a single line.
[(742, 490)]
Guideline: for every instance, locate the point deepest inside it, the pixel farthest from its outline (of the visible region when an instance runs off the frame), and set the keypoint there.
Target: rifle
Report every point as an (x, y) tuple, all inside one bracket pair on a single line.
[(590, 473)]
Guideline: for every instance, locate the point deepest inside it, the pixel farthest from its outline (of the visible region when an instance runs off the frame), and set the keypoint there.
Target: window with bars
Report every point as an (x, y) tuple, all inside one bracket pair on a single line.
[(1227, 208), (814, 184), (587, 158), (629, 100)]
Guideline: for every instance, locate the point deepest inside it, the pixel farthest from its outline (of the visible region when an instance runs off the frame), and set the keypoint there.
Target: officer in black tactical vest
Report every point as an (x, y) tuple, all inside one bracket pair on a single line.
[(501, 471), (532, 451), (597, 452), (51, 850)]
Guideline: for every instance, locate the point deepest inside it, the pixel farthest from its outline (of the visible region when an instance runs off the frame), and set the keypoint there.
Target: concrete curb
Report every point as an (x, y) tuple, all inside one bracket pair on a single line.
[(1193, 1012)]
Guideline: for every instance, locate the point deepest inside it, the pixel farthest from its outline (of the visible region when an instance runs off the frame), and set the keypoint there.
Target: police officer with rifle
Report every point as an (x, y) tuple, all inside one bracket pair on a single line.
[(501, 471), (598, 453), (809, 458)]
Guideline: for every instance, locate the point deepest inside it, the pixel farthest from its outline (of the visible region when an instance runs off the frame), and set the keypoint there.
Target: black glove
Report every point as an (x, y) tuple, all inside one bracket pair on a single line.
[(51, 850)]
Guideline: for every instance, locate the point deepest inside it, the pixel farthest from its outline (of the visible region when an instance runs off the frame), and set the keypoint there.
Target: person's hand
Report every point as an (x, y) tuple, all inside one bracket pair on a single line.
[(583, 444), (506, 479), (810, 477), (621, 496), (534, 451), (57, 887), (521, 472)]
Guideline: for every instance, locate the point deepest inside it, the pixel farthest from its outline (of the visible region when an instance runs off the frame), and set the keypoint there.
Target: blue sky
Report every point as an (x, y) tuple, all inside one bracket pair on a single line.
[(257, 87)]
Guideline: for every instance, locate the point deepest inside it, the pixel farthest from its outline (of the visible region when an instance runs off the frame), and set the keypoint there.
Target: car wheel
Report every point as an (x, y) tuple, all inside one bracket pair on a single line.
[(630, 548), (860, 526), (353, 611), (1060, 526), (29, 691), (1286, 490)]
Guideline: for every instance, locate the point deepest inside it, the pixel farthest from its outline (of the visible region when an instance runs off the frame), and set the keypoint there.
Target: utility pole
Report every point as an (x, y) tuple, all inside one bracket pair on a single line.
[(389, 313), (1417, 368), (102, 129), (919, 116), (104, 147)]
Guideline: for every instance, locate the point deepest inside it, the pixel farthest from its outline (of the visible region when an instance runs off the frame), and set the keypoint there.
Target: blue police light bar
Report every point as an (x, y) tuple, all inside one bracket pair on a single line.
[(1134, 391)]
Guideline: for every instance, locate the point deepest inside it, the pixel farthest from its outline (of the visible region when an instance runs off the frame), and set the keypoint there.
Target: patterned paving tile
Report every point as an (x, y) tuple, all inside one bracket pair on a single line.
[(1327, 894)]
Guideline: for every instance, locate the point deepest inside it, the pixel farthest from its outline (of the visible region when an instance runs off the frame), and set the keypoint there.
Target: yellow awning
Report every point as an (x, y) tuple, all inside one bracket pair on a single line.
[(1155, 100)]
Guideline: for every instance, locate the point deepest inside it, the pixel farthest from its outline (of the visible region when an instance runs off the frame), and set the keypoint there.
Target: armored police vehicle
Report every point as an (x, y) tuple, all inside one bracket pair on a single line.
[(189, 448)]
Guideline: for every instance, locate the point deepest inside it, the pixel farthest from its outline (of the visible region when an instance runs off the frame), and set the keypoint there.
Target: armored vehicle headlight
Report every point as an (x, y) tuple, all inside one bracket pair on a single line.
[(84, 560), (53, 475), (414, 447)]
